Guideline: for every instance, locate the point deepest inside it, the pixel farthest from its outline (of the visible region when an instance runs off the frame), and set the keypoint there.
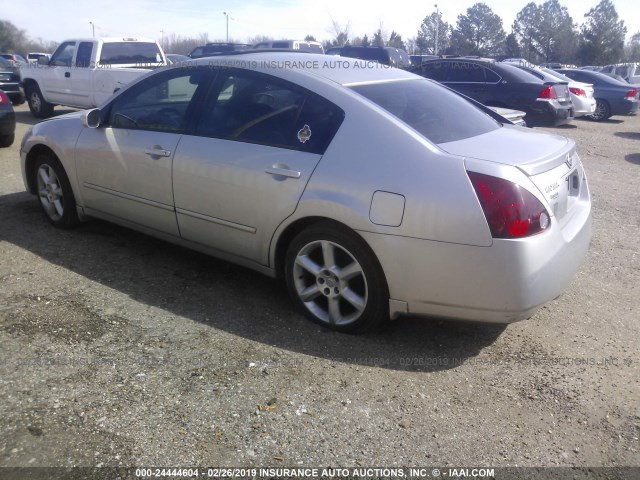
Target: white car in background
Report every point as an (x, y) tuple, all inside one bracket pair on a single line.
[(582, 94)]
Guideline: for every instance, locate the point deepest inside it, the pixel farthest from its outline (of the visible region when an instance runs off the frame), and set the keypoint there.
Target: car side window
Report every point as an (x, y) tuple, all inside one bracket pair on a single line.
[(258, 108), (83, 57), (63, 56), (161, 102), (466, 72), (434, 70)]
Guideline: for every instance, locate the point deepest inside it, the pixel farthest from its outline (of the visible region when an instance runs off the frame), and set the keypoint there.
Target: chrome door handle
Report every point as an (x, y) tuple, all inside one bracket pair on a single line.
[(157, 152), (282, 172)]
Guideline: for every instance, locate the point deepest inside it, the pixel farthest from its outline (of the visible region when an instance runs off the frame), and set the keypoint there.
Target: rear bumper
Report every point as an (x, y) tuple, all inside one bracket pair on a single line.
[(503, 283), (549, 112), (583, 106), (13, 90)]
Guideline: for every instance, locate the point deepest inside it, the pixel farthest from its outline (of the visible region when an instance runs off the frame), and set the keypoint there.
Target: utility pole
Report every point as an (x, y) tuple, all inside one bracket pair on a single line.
[(227, 15), (437, 27), (93, 29)]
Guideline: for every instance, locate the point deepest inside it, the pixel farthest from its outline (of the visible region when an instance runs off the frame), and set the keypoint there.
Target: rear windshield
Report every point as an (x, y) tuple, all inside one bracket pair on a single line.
[(513, 73), (434, 111), (5, 63), (120, 53)]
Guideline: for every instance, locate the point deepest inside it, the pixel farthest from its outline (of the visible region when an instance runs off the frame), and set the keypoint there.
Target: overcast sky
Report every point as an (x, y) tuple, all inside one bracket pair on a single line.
[(280, 19)]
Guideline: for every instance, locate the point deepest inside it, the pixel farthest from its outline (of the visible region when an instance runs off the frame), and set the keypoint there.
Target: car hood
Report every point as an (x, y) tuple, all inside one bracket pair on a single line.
[(532, 152)]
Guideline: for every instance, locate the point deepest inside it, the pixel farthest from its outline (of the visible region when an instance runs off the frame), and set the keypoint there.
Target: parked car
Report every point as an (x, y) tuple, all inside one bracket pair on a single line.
[(613, 97), (217, 48), (371, 191), (630, 72), (7, 121), (394, 57), (302, 45), (32, 58), (83, 73), (581, 93), (10, 81), (500, 84), (418, 59), (18, 60)]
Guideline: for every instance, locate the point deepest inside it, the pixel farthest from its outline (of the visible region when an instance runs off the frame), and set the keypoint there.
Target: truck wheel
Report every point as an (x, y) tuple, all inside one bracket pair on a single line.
[(39, 107), (19, 100)]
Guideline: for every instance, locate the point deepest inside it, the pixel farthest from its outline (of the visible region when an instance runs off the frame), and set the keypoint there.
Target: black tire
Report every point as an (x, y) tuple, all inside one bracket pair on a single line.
[(603, 111), (7, 140), (37, 104), (55, 195), (346, 300), (19, 100)]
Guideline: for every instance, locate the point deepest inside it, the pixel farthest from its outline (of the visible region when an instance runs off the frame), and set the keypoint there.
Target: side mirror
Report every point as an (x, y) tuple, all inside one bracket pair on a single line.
[(43, 61), (90, 118)]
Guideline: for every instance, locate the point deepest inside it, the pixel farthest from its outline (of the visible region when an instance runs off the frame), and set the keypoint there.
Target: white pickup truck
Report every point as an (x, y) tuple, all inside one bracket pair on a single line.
[(85, 72)]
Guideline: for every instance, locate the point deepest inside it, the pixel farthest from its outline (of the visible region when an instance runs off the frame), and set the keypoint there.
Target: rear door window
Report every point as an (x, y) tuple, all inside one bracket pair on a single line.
[(83, 57), (465, 72), (434, 70), (258, 108)]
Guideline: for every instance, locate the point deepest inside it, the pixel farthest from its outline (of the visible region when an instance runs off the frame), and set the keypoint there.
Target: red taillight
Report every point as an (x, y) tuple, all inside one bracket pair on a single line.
[(548, 93), (578, 91), (3, 98), (511, 211), (631, 93)]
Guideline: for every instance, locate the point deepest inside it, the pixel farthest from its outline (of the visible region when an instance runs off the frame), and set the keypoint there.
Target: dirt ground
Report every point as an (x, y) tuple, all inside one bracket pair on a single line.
[(119, 349)]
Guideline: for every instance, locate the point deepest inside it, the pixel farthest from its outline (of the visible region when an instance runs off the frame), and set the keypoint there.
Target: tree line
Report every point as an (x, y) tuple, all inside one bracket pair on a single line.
[(542, 33)]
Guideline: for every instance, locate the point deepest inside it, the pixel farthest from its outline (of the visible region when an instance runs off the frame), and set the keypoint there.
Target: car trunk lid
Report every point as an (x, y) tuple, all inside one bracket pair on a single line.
[(550, 161)]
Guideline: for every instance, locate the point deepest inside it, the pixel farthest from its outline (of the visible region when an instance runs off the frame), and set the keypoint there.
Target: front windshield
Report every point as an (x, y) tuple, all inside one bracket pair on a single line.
[(434, 111)]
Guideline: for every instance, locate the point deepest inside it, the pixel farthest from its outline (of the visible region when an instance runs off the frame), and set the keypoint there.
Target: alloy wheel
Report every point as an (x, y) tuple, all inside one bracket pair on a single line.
[(330, 283)]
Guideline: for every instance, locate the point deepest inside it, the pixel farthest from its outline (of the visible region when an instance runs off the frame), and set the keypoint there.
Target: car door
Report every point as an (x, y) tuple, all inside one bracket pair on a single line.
[(57, 86), (124, 166), (82, 76), (245, 167)]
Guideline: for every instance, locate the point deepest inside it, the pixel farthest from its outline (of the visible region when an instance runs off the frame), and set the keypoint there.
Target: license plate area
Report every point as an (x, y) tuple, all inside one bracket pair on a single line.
[(567, 194)]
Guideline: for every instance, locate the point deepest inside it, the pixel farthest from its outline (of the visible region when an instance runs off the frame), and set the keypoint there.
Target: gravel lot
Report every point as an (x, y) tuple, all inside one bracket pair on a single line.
[(119, 349)]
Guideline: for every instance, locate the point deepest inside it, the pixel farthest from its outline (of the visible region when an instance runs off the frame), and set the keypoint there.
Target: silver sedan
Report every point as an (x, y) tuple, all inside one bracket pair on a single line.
[(374, 193)]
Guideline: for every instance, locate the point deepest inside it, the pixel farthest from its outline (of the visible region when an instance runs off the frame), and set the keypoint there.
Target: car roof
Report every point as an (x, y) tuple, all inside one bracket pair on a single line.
[(342, 70)]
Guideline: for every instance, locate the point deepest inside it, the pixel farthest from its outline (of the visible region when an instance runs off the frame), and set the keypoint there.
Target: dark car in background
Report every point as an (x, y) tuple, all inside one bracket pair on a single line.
[(613, 97), (418, 59), (217, 48), (394, 57), (503, 85), (7, 121), (10, 81)]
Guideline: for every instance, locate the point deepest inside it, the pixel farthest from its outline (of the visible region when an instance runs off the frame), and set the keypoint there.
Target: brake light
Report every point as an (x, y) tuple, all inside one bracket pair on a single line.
[(578, 91), (511, 211), (549, 93), (631, 94), (3, 98)]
